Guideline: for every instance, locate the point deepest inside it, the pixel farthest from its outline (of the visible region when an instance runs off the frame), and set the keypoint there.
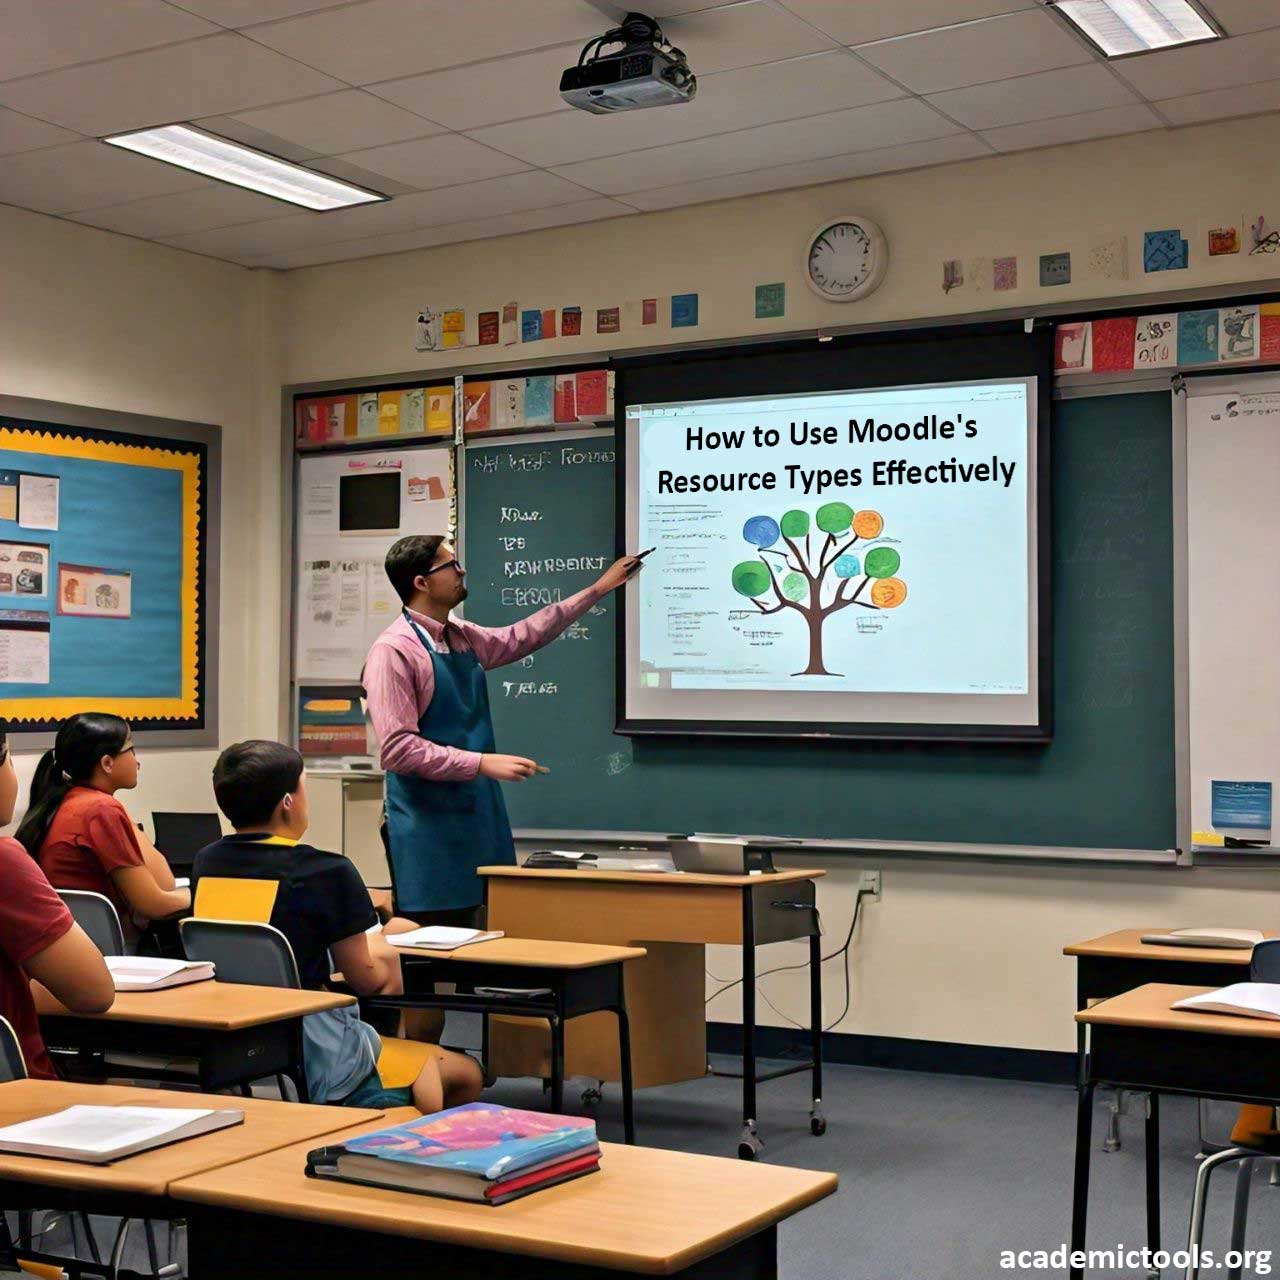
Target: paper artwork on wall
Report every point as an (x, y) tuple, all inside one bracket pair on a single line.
[(1055, 269), (453, 328), (1110, 260), (952, 274), (85, 591), (1113, 344), (1263, 238), (1223, 240), (428, 333), (979, 274), (1198, 337), (609, 320), (1072, 348), (571, 322), (684, 310), (1164, 251), (530, 325), (771, 301), (1005, 274), (510, 323), (1155, 342), (1238, 333), (488, 329)]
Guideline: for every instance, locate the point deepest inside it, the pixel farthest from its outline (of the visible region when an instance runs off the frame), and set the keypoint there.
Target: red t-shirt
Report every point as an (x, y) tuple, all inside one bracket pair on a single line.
[(90, 837), (32, 917)]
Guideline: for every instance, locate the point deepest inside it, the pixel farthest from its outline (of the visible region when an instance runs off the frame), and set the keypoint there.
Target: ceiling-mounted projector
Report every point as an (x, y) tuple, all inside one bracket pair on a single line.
[(647, 71)]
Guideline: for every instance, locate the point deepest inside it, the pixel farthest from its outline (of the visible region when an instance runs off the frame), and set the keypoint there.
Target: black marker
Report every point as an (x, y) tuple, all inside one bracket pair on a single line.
[(635, 562)]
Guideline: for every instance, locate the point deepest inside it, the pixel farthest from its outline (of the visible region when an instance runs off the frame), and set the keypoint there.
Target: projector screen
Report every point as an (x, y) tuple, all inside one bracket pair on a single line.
[(841, 562)]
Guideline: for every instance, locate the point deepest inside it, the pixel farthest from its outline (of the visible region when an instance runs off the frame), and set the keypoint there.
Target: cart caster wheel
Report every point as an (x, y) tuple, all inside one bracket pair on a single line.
[(749, 1144), (592, 1096), (817, 1125)]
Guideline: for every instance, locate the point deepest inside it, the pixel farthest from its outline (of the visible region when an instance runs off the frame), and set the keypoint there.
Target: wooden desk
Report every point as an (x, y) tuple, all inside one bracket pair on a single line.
[(1140, 1042), (581, 979), (137, 1185), (235, 1032), (673, 916), (647, 1212), (1117, 962)]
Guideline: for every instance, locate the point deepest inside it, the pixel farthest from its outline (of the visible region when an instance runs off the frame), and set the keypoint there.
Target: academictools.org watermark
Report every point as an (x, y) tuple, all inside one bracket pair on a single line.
[(1121, 1258)]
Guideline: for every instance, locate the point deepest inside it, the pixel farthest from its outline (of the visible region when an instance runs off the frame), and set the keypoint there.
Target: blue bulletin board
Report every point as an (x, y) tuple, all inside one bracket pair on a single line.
[(103, 570)]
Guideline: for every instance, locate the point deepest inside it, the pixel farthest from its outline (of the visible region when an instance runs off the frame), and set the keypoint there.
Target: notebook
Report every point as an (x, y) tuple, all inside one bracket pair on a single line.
[(1247, 999), (1233, 939), (479, 1152), (441, 937), (150, 973), (98, 1135)]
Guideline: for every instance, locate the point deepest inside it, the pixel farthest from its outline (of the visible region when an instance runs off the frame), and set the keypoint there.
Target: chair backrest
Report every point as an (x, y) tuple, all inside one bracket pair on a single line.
[(13, 1065), (97, 916), (180, 836), (258, 954), (1264, 962)]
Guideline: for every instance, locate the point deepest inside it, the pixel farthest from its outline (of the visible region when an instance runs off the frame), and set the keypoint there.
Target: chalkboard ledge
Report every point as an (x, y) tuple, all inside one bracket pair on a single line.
[(647, 841)]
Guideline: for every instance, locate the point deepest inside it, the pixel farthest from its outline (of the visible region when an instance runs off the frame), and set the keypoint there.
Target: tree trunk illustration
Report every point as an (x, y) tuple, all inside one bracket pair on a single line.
[(815, 617)]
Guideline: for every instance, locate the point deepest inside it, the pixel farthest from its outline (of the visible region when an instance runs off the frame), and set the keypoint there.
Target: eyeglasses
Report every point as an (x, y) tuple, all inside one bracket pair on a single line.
[(448, 564)]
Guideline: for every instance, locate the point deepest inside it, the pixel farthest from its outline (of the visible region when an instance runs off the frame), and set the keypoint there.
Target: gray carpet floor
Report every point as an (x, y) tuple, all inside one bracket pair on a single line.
[(938, 1174)]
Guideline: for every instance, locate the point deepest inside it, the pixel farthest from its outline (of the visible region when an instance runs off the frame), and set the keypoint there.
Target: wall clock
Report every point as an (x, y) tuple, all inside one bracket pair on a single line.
[(845, 258)]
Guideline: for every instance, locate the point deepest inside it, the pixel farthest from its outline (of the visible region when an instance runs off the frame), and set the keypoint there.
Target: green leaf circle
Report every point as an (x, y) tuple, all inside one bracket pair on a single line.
[(794, 586), (835, 517), (750, 578), (795, 524), (882, 562)]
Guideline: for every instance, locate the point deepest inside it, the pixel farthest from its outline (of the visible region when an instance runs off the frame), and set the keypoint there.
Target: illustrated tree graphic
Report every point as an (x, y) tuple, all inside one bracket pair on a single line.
[(819, 583)]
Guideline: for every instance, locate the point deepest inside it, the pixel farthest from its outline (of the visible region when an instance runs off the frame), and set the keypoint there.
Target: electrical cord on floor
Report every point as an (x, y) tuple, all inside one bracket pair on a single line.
[(842, 950)]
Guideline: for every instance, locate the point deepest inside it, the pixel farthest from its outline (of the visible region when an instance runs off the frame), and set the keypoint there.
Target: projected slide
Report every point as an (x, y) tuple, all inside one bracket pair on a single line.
[(859, 556)]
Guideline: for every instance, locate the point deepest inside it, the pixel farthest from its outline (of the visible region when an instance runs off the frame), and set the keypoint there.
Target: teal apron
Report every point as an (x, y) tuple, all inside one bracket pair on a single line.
[(440, 832)]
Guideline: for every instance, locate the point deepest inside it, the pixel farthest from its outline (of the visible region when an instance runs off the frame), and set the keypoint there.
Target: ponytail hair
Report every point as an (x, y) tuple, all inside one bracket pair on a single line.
[(81, 743)]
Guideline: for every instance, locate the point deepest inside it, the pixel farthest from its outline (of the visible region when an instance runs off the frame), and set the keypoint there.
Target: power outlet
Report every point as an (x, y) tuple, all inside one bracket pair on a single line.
[(869, 883)]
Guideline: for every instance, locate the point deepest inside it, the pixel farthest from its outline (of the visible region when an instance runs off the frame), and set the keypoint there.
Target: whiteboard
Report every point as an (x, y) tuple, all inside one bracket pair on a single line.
[(1233, 585), (351, 507)]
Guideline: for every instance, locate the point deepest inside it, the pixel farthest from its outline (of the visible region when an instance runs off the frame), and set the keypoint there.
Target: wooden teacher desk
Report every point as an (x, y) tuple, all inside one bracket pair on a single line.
[(235, 1032), (673, 916), (646, 1212)]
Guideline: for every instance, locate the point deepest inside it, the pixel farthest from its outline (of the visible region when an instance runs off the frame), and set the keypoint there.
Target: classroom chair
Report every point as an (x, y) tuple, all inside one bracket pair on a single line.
[(258, 953), (97, 916), (1255, 1136)]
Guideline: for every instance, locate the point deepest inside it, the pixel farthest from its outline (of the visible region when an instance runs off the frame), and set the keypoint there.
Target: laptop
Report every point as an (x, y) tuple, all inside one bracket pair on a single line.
[(180, 836)]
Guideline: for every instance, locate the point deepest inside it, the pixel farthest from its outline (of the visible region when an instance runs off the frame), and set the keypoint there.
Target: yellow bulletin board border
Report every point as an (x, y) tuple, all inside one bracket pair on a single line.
[(190, 458)]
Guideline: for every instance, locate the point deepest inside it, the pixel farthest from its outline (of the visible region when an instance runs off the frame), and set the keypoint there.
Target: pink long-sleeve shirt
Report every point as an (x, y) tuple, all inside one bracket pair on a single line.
[(399, 680)]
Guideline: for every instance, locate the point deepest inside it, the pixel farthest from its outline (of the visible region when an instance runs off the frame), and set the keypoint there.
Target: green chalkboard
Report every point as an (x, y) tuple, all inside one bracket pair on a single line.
[(1106, 780)]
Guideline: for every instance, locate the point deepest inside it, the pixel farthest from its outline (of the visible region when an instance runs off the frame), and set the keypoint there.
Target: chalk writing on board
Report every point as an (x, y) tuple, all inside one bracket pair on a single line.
[(513, 515), (616, 762), (528, 688), (529, 597), (552, 564)]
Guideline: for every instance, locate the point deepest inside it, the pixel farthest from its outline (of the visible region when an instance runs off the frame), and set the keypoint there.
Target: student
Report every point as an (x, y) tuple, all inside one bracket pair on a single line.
[(39, 939), (81, 835), (321, 905)]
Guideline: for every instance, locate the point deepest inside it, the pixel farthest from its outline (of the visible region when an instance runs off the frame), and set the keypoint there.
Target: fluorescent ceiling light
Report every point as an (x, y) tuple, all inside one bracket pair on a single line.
[(1123, 27), (215, 157)]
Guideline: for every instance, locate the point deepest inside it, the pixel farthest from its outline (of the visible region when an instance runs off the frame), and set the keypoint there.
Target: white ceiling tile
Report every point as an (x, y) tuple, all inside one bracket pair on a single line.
[(242, 13), (1238, 16), (1222, 104), (57, 33), (863, 128), (497, 196), (22, 133), (913, 155), (740, 35), (668, 8), (726, 102), (213, 205), (1200, 67), (1037, 97), (386, 39), (338, 122), (441, 161), (451, 233), (1092, 124), (526, 84), (214, 76), (997, 49), (84, 175), (856, 21)]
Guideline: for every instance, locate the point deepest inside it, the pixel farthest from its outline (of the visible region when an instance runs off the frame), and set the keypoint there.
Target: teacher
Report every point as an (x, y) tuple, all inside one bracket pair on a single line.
[(424, 678)]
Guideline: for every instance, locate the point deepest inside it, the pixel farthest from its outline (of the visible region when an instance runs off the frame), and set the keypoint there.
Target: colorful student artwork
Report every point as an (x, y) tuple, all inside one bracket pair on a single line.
[(531, 325), (1155, 342), (428, 330), (1269, 332), (1262, 238), (89, 592), (1005, 274), (771, 301), (571, 322), (649, 311), (952, 274), (1164, 251), (820, 579), (1113, 344), (1238, 333), (24, 569), (1197, 337), (1110, 260), (1223, 240), (609, 320), (1072, 351), (488, 329), (1055, 269), (684, 310)]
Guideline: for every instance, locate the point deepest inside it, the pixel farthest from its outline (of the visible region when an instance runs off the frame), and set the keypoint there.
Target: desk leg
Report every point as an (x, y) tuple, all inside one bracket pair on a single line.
[(749, 1143), (817, 1121), (1080, 1192), (624, 1059), (557, 1063), (298, 1074), (1152, 1137)]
